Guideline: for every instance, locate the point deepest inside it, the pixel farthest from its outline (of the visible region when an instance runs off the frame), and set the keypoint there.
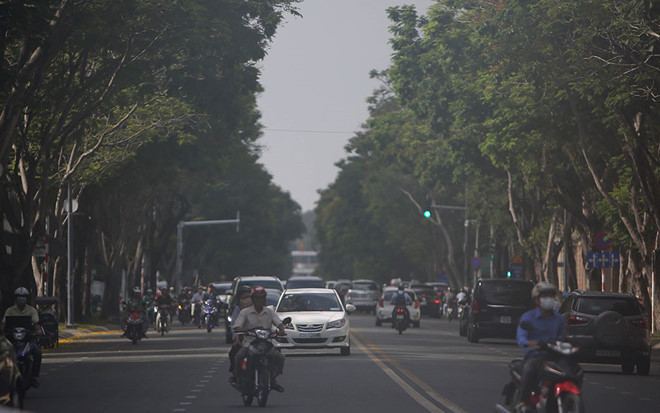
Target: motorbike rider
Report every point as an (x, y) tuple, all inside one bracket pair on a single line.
[(21, 308), (400, 298), (244, 301), (136, 301), (163, 300), (196, 303), (258, 315), (548, 325)]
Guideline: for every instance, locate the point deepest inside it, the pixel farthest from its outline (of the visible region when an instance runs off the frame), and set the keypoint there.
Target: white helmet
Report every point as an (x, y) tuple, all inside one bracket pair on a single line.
[(21, 291), (543, 288)]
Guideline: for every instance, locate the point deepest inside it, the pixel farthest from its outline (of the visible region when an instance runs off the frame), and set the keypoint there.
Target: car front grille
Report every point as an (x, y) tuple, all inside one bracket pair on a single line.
[(309, 340), (309, 328)]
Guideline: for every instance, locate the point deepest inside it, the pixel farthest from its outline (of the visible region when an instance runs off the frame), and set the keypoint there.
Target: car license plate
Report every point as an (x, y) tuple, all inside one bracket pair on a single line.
[(310, 335), (608, 353), (505, 319)]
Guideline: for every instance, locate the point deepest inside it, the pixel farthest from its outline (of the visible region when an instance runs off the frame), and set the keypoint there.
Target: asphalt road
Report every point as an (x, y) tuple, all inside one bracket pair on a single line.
[(430, 368)]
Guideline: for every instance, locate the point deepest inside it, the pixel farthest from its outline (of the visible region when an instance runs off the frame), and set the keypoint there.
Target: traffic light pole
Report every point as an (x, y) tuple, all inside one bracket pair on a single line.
[(179, 243)]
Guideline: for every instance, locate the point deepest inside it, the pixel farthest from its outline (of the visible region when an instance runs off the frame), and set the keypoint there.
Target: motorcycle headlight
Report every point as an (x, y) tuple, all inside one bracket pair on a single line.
[(336, 323), (263, 334)]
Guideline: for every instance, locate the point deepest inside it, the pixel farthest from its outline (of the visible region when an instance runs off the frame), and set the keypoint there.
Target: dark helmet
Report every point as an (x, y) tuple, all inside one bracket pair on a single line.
[(401, 287), (258, 291), (244, 289)]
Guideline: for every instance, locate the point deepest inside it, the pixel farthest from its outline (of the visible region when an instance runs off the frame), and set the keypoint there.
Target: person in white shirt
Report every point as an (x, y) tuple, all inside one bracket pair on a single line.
[(258, 315)]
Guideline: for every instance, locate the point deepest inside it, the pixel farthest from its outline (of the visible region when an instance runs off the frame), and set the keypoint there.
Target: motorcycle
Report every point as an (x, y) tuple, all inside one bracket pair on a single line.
[(452, 310), (209, 315), (135, 324), (184, 312), (163, 319), (10, 375), (254, 380), (400, 322), (21, 339), (560, 382)]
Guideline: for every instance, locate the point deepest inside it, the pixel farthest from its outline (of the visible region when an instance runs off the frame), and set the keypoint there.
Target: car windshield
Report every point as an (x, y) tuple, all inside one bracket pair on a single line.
[(309, 302), (305, 283), (365, 286), (272, 284), (506, 293), (598, 305)]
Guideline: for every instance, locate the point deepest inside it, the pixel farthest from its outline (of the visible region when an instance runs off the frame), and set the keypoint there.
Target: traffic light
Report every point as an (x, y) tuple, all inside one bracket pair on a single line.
[(491, 243), (508, 274), (427, 207)]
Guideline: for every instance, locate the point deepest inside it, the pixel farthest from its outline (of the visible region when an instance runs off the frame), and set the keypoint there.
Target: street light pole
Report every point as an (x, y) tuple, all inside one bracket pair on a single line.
[(69, 287)]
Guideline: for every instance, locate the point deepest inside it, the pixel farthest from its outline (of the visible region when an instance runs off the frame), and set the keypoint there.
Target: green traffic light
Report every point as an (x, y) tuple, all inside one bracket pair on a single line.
[(508, 274), (427, 214)]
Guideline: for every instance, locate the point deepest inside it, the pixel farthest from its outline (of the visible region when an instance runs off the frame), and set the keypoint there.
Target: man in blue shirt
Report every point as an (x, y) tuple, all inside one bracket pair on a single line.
[(543, 324)]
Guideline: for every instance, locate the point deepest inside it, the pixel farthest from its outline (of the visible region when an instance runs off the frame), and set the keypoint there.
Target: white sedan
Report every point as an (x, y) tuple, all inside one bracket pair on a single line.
[(385, 307), (318, 320)]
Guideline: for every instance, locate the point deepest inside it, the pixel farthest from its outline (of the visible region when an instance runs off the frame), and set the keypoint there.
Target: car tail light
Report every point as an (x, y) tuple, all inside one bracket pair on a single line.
[(416, 303), (643, 323), (576, 320), (381, 304), (437, 301), (475, 307)]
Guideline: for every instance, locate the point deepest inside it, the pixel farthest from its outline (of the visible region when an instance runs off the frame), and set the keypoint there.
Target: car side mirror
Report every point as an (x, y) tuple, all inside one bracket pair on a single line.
[(286, 321), (350, 308)]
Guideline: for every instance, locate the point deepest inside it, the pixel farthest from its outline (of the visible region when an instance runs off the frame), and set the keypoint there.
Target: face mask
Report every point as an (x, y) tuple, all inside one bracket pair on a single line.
[(547, 303)]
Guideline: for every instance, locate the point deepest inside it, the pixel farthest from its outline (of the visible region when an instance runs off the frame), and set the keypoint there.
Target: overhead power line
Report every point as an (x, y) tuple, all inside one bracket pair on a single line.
[(310, 131)]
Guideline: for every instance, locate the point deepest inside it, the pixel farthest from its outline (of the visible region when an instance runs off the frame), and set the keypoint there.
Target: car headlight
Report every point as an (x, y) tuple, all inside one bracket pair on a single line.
[(336, 323)]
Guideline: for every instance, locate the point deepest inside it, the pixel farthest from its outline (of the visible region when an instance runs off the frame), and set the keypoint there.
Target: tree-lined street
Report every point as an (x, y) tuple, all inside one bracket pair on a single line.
[(427, 369)]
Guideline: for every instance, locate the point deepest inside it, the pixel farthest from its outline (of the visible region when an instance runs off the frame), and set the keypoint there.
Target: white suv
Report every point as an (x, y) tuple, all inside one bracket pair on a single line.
[(363, 295), (385, 308)]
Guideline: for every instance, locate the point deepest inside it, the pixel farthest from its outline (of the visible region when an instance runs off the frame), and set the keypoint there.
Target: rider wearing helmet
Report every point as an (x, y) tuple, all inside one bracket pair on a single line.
[(542, 324), (400, 298), (244, 300), (21, 308), (258, 315)]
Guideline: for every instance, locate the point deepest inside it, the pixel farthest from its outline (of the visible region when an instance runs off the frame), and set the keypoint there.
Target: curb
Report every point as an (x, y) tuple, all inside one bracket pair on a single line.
[(67, 335)]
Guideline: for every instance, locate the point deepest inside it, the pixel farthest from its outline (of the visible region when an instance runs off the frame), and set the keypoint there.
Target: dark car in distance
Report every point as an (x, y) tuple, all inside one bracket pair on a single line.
[(496, 307), (609, 328), (429, 300)]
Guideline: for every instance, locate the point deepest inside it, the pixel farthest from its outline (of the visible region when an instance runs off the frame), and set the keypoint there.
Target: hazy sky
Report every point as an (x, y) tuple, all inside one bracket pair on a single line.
[(316, 80)]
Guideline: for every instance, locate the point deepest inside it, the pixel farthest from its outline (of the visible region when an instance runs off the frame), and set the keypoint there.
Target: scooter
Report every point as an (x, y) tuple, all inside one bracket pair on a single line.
[(184, 312), (400, 322), (21, 340), (254, 380), (10, 375), (163, 319), (209, 315), (135, 324), (560, 381)]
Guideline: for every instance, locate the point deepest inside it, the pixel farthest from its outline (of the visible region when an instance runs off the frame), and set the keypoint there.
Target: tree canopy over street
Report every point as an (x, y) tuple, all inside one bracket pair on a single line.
[(148, 109), (521, 109)]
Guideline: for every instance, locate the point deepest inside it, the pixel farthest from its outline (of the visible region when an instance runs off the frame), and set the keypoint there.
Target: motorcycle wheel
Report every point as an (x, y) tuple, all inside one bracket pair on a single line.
[(247, 399), (209, 328), (264, 388), (570, 403)]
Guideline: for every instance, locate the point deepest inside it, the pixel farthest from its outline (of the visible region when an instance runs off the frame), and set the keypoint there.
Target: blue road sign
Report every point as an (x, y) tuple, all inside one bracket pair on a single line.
[(476, 262), (603, 259)]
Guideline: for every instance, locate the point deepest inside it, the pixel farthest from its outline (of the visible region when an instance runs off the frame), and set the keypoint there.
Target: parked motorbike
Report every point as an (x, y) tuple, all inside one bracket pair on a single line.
[(560, 382), (209, 315), (400, 321), (184, 312), (163, 319), (135, 324), (254, 380)]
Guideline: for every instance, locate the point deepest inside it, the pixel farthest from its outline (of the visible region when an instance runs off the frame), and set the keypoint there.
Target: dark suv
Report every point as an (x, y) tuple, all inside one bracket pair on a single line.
[(610, 328), (496, 307)]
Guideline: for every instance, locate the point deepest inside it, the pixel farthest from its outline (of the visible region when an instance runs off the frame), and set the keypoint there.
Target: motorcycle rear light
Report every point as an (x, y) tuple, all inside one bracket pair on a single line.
[(437, 301), (244, 364), (643, 323), (475, 307), (381, 304), (399, 310), (416, 304), (576, 320)]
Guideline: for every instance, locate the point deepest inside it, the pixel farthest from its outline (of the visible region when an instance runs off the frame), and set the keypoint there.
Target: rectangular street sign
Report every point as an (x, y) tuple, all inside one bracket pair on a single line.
[(604, 259), (516, 270)]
